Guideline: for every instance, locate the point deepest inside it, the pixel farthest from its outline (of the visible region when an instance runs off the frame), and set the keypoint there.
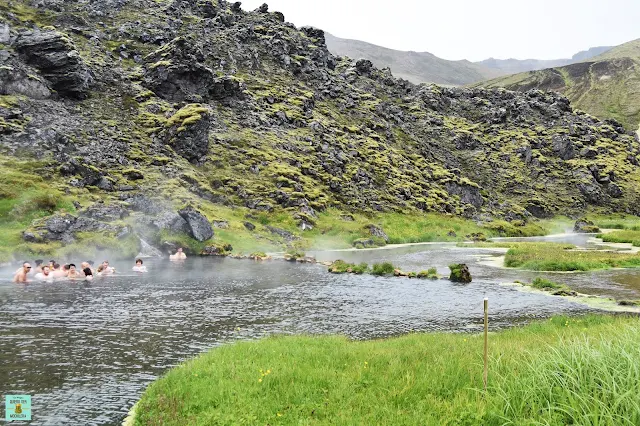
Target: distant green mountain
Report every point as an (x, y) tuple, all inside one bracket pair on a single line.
[(607, 86), (417, 67), (513, 66)]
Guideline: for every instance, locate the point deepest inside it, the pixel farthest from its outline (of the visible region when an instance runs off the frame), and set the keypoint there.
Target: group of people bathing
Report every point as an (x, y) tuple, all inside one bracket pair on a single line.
[(70, 271), (54, 270)]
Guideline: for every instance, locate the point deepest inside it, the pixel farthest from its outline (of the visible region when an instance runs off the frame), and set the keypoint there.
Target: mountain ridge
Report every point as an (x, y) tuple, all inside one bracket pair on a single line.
[(607, 85)]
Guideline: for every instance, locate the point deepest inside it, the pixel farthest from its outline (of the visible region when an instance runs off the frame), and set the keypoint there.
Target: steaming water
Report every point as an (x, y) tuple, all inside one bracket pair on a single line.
[(85, 352)]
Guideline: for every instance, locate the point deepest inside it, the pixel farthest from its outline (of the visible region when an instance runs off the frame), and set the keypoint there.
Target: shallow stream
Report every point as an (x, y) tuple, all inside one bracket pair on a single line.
[(86, 351)]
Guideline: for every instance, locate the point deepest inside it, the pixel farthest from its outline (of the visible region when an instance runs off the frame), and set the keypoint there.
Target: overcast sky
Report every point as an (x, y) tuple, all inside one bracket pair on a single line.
[(471, 29)]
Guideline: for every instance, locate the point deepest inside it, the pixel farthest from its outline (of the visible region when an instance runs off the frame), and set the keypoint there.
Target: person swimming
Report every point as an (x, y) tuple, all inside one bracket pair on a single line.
[(21, 274), (179, 255), (139, 266), (38, 268)]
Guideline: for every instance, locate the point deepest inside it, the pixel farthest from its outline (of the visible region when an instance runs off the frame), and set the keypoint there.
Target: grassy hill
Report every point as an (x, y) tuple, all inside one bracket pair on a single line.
[(607, 86), (417, 67)]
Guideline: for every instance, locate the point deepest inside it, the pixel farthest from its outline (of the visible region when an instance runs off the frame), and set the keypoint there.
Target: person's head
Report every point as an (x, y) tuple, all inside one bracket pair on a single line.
[(72, 267), (45, 270), (139, 262), (26, 267), (65, 267), (39, 262), (56, 265), (179, 249), (87, 271), (105, 264), (84, 265), (51, 263), (100, 268)]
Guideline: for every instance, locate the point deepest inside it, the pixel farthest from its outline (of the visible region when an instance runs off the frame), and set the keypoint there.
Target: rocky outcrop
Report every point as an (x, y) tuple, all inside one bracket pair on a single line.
[(198, 225), (107, 213), (188, 132), (170, 221), (64, 227), (378, 232), (176, 73), (585, 226), (55, 56)]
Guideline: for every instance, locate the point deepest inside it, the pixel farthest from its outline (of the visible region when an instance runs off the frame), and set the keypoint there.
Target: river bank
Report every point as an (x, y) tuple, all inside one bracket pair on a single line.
[(413, 379)]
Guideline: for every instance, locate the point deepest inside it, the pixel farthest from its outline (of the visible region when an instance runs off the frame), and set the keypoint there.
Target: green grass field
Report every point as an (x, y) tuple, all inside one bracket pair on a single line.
[(560, 257), (581, 371), (622, 236)]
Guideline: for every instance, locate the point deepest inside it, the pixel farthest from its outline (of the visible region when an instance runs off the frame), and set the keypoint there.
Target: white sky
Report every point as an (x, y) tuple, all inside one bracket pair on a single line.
[(471, 29)]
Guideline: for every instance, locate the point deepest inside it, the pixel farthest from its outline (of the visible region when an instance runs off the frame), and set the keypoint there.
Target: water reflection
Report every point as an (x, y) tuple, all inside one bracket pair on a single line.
[(86, 351)]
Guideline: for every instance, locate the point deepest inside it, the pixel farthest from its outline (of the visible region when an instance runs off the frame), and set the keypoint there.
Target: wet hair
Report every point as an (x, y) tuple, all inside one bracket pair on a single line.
[(39, 262), (56, 265), (52, 261), (66, 267), (100, 268), (70, 265), (87, 271), (139, 260)]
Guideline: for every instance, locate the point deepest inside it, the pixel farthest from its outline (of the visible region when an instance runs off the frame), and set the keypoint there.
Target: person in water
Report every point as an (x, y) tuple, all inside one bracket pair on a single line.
[(38, 266), (57, 271), (88, 274), (139, 267), (73, 272), (179, 255), (21, 275), (86, 265), (45, 275), (105, 269)]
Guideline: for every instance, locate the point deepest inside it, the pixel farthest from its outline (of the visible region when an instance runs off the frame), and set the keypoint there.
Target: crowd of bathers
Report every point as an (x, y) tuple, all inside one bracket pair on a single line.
[(55, 271)]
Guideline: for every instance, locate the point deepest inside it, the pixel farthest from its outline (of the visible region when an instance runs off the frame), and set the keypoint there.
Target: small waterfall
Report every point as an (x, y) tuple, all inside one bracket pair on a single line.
[(147, 250)]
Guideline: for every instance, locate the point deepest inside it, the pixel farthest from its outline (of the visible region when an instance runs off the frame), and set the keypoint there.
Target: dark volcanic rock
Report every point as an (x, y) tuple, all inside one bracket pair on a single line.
[(171, 221), (107, 213), (54, 54), (364, 66), (179, 75), (467, 193), (585, 226), (286, 235), (199, 226), (250, 226), (376, 231), (189, 137)]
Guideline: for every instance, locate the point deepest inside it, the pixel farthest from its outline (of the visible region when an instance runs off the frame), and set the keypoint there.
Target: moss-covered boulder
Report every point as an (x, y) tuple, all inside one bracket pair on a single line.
[(459, 273), (585, 226), (188, 132)]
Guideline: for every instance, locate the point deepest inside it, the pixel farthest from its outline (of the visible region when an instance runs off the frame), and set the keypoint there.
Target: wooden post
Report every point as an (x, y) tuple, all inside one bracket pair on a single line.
[(486, 343)]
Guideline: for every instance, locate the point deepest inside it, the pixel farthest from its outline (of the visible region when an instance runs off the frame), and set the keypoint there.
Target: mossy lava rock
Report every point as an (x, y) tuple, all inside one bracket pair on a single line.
[(460, 273)]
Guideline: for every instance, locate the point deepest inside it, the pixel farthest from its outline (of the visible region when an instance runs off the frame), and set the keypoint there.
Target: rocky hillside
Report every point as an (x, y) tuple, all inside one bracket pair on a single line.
[(606, 86), (514, 66), (417, 67), (197, 121)]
